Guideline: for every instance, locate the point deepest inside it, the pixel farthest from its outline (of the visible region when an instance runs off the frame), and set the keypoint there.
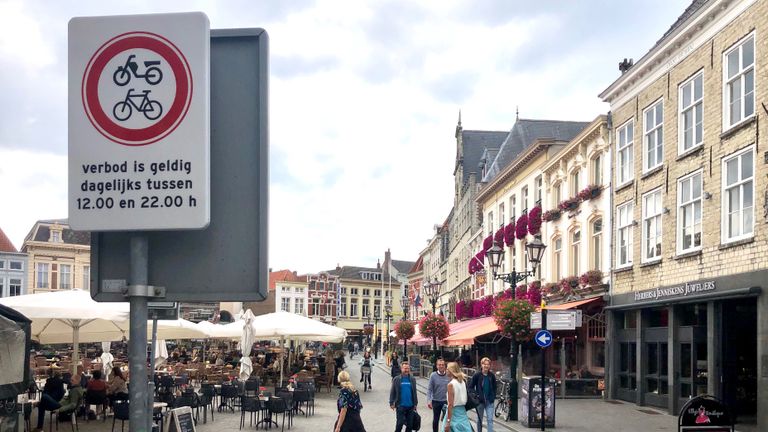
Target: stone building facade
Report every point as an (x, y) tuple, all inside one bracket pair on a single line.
[(58, 257), (688, 311)]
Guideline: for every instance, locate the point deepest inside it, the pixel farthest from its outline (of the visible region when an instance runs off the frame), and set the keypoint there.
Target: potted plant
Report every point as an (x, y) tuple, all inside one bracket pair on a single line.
[(568, 284), (521, 227), (434, 326), (509, 233), (498, 238), (534, 221), (534, 293), (590, 192), (404, 330), (513, 318), (551, 215), (570, 204), (592, 277)]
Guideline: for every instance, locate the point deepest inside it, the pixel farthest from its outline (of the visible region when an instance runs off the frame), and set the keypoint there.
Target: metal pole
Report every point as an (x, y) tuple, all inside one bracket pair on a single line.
[(543, 371), (153, 352), (137, 347)]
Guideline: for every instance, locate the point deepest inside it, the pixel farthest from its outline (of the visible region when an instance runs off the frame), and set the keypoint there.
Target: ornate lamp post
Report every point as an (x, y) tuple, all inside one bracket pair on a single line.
[(368, 326), (376, 342), (535, 251), (405, 303), (432, 289), (388, 316)]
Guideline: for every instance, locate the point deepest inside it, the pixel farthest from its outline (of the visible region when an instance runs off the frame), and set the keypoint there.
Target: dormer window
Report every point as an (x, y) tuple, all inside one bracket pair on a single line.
[(55, 236)]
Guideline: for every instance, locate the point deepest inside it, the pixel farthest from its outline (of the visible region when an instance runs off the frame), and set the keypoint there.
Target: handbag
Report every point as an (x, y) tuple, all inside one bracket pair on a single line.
[(415, 421), (473, 399)]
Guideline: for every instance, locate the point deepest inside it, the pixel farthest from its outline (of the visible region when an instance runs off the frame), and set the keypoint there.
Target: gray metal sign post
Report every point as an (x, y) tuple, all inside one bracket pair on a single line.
[(543, 371), (137, 347)]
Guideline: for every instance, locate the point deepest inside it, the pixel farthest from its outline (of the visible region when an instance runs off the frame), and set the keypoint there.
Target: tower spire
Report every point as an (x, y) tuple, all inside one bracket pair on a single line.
[(517, 113)]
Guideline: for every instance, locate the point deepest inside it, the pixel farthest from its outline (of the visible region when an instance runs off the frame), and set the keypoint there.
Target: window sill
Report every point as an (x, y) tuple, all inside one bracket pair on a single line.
[(622, 186), (623, 269), (737, 127), (650, 263), (690, 152), (735, 243), (651, 172), (685, 255)]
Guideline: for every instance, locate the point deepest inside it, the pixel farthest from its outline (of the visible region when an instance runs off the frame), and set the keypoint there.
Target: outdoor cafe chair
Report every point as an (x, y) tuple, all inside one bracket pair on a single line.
[(287, 396), (99, 399), (122, 412), (276, 405), (250, 405)]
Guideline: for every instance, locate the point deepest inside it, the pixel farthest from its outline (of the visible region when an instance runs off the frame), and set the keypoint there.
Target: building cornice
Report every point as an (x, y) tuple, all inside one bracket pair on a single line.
[(699, 28), (523, 159), (590, 133)]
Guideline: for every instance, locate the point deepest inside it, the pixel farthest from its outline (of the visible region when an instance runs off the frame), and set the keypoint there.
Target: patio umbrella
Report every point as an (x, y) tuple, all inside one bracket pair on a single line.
[(106, 359), (161, 352), (246, 342), (71, 316), (176, 329), (288, 325)]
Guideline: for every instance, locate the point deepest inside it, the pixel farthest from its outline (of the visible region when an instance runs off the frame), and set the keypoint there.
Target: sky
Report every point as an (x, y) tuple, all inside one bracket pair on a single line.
[(363, 102)]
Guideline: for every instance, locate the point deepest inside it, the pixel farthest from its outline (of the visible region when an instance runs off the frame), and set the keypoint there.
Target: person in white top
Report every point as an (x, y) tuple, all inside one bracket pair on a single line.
[(456, 419)]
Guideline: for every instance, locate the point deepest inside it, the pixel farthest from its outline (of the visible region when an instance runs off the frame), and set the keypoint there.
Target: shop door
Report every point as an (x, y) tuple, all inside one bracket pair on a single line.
[(740, 356), (691, 369)]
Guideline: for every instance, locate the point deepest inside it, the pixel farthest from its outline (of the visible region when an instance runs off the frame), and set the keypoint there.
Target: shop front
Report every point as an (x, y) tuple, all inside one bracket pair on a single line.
[(673, 343)]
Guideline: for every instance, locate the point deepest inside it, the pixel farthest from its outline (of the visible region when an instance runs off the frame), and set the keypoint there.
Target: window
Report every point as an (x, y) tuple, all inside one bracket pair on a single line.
[(353, 309), (625, 148), (597, 170), (501, 214), (285, 304), (575, 187), (55, 236), (627, 366), (597, 244), (342, 308), (490, 223), (298, 306), (691, 113), (2, 286), (86, 277), (739, 87), (376, 309), (14, 287), (65, 276), (16, 265), (389, 293), (657, 368), (42, 276), (556, 195), (653, 136), (575, 244), (557, 253), (738, 191), (537, 190), (377, 293), (689, 213), (624, 224), (2, 264), (652, 225), (285, 289), (353, 291), (300, 290), (366, 308), (512, 208), (524, 196)]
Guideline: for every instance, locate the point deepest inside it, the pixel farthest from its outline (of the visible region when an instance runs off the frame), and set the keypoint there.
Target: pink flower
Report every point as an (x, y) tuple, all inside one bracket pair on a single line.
[(521, 227)]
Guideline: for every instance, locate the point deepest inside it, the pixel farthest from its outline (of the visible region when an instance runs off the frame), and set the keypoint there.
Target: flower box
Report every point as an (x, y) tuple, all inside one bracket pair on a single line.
[(590, 192), (570, 204), (568, 284), (551, 215), (592, 277)]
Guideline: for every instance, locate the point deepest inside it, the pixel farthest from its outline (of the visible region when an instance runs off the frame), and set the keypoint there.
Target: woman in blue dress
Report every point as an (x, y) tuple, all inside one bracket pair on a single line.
[(455, 418)]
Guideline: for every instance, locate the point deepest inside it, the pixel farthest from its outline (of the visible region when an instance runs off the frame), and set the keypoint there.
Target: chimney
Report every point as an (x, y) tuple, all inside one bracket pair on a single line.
[(387, 258), (378, 264), (338, 267), (625, 65)]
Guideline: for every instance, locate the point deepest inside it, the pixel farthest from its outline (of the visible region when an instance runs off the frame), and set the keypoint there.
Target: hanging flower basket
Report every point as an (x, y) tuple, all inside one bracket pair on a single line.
[(404, 330), (521, 227), (592, 277), (534, 221), (513, 318), (520, 291), (509, 234), (570, 204), (590, 192), (434, 326), (368, 330), (551, 215), (568, 284), (487, 243), (533, 295)]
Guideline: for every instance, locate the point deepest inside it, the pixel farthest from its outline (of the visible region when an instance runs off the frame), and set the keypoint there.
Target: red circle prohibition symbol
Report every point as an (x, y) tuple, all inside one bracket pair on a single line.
[(181, 100)]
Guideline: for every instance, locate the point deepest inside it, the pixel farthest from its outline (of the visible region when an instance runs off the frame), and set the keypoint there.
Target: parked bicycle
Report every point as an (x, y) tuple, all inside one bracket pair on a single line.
[(502, 399), (151, 109), (152, 74)]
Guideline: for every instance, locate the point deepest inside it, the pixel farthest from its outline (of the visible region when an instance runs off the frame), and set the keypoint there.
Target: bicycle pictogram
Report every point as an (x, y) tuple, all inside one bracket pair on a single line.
[(151, 109), (152, 74)]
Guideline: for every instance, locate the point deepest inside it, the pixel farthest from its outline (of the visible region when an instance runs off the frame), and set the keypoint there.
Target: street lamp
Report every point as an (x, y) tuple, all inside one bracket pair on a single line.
[(432, 289), (388, 315), (368, 326), (535, 251), (405, 302), (376, 329)]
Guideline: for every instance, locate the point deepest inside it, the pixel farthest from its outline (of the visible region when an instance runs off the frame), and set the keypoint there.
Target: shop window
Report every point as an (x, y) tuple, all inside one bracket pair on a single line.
[(656, 373), (693, 314), (658, 317), (627, 366), (627, 320), (598, 354)]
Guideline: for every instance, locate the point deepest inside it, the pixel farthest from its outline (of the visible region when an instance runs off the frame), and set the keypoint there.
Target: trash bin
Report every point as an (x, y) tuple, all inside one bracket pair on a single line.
[(14, 366), (530, 395)]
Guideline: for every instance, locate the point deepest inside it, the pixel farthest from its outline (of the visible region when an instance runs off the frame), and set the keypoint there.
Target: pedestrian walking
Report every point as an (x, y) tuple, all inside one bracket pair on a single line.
[(484, 384), (455, 419), (349, 406), (403, 398), (437, 392), (365, 369), (395, 366)]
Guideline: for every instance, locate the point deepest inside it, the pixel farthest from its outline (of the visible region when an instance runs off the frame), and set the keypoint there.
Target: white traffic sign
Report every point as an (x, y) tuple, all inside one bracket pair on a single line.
[(556, 320), (139, 146)]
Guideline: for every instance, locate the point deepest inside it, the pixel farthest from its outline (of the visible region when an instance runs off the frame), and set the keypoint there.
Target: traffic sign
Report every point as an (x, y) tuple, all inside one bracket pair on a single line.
[(557, 320), (139, 128), (543, 338)]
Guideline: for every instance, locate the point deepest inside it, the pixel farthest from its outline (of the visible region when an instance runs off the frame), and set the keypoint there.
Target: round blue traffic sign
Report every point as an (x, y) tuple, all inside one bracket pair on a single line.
[(543, 338)]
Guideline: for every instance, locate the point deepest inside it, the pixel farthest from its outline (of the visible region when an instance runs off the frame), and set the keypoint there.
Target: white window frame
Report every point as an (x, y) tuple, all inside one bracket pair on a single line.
[(512, 208), (298, 306), (625, 146), (557, 194), (654, 218), (653, 132), (689, 205), (625, 222), (46, 273), (12, 262), (596, 244), (65, 274), (741, 182), (87, 277), (537, 189), (596, 169), (575, 252), (728, 123), (285, 304), (557, 258), (501, 214), (575, 182), (490, 223), (696, 107), (524, 195), (13, 282)]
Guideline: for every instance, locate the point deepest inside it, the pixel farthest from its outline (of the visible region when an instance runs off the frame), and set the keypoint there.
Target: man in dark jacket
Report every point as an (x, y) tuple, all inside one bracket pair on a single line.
[(484, 384), (403, 397)]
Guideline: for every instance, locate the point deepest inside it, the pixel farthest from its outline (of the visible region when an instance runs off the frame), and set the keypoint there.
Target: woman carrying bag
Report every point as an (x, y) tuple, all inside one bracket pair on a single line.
[(455, 418), (349, 406)]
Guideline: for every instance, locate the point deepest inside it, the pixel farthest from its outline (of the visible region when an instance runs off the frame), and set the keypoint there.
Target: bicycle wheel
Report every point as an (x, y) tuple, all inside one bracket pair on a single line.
[(501, 408), (121, 76), (153, 75), (153, 110), (122, 111)]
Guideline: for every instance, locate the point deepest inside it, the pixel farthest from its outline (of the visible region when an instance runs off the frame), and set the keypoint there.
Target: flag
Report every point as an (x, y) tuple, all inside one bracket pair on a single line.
[(417, 302)]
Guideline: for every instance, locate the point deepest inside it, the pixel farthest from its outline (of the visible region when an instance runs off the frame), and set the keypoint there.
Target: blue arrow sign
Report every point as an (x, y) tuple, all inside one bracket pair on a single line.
[(543, 338)]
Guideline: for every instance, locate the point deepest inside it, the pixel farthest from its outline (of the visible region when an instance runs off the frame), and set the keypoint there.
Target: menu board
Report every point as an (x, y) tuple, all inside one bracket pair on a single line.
[(181, 420)]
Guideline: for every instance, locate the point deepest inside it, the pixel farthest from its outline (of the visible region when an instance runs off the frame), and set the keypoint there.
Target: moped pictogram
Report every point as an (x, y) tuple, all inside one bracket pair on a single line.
[(152, 74)]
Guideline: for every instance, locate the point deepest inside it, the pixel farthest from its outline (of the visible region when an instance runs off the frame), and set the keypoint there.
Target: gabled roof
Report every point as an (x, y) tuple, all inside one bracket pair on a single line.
[(5, 243), (418, 266), (524, 133), (403, 266), (353, 272), (475, 143), (283, 276)]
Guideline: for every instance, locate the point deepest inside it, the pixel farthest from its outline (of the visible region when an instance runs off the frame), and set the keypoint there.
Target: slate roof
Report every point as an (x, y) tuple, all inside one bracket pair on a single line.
[(524, 133), (475, 143), (352, 272), (403, 266), (689, 12), (5, 243), (68, 236)]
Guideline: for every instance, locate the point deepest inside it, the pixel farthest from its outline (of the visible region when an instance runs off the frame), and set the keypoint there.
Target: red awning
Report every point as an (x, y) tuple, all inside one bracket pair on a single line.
[(475, 328), (453, 329), (575, 304)]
